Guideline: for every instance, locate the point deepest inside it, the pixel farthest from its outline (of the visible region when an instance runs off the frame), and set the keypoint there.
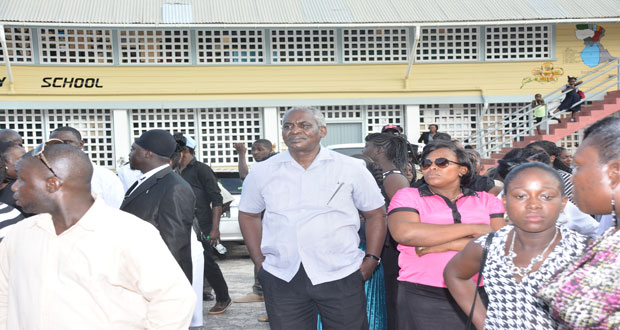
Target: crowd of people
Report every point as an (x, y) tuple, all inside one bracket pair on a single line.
[(387, 239)]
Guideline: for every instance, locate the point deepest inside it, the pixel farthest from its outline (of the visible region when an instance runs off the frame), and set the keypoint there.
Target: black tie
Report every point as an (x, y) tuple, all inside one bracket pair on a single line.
[(133, 186)]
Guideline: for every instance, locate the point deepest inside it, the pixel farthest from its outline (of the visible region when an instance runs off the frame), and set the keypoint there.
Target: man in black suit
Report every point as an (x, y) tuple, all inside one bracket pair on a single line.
[(427, 137), (161, 197)]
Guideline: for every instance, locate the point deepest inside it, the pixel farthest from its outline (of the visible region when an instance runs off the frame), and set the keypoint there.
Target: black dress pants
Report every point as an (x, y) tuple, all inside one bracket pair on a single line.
[(296, 304), (214, 276)]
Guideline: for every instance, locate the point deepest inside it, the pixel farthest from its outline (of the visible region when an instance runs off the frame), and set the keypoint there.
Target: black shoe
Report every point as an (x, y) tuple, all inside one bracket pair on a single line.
[(207, 297)]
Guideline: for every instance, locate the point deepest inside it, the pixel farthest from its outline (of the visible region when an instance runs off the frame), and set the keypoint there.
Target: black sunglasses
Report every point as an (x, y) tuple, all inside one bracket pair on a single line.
[(38, 153), (440, 162)]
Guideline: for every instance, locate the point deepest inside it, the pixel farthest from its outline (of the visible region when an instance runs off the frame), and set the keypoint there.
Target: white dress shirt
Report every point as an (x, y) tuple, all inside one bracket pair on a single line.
[(311, 215), (111, 270), (107, 185), (578, 221), (128, 176), (146, 176)]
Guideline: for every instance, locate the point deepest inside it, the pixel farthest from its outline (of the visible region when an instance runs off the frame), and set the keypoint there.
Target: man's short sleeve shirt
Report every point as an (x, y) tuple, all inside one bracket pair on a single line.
[(311, 215)]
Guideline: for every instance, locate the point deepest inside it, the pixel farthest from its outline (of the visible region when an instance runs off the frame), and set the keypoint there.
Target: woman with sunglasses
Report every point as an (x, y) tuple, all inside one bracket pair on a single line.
[(432, 223)]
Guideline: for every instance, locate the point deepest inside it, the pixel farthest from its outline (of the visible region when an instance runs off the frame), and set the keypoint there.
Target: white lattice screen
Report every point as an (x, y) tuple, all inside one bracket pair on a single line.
[(70, 46), (303, 45), (458, 120), (448, 44), (220, 128), (19, 45), (378, 116), (518, 42), (29, 123), (96, 127), (375, 45), (171, 120), (230, 46), (154, 46)]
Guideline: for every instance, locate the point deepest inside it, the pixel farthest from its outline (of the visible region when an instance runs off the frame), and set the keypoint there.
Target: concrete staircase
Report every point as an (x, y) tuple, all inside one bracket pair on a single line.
[(588, 115)]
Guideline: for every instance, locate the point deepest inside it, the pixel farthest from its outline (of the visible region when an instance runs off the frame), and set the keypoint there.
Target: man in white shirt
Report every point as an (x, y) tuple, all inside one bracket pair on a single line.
[(81, 264), (105, 183), (307, 252)]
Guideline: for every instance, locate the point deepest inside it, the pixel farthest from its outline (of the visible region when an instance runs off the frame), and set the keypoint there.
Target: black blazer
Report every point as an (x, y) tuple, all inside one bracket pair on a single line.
[(424, 137), (167, 201)]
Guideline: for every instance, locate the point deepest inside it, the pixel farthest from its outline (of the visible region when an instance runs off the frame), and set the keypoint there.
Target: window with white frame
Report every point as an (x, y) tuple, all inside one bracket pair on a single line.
[(380, 115), (518, 42), (18, 44), (303, 45), (96, 127), (448, 44), (220, 128), (458, 120), (75, 46), (230, 46), (29, 123), (375, 45), (154, 46)]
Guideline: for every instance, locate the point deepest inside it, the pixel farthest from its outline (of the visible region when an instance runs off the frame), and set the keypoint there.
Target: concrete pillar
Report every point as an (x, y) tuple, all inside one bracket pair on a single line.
[(412, 122), (122, 138), (271, 126)]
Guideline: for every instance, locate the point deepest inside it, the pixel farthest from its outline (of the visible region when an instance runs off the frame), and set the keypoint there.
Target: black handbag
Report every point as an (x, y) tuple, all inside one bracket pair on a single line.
[(485, 251)]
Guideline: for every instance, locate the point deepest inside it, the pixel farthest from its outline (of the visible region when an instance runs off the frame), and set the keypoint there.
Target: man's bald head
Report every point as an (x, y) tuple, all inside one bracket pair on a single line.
[(71, 164), (9, 135)]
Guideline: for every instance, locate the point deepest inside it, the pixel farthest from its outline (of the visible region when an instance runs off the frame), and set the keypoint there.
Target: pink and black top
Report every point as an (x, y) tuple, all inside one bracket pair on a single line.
[(469, 208)]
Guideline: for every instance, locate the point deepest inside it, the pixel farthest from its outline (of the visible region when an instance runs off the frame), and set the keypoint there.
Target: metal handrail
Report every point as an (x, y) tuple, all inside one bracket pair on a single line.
[(525, 128), (507, 117)]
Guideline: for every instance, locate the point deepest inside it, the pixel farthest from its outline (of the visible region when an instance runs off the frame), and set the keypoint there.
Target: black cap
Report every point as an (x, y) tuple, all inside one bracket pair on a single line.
[(157, 141)]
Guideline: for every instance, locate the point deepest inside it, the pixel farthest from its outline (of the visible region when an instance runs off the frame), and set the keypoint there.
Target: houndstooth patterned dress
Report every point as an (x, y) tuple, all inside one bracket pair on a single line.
[(514, 305)]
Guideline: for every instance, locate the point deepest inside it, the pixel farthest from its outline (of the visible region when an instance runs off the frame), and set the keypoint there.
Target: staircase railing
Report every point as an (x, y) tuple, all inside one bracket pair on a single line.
[(491, 138)]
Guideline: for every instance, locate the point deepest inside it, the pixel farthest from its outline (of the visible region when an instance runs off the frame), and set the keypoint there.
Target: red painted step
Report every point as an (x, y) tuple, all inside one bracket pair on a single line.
[(588, 115)]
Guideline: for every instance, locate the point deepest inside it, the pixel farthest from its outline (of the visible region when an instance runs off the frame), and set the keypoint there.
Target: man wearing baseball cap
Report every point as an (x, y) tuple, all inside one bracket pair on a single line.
[(161, 196)]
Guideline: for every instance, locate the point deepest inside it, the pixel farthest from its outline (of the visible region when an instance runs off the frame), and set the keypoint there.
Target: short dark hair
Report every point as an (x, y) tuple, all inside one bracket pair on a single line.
[(514, 173), (606, 134), (436, 126), (463, 157), (6, 145), (552, 150), (72, 130), (264, 142), (442, 136), (518, 156)]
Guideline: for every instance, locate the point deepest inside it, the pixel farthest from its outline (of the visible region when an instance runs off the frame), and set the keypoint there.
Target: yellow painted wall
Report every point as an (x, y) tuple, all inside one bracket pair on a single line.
[(123, 83)]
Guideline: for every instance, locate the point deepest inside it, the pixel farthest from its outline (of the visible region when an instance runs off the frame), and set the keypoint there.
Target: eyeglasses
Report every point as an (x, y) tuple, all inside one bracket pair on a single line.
[(38, 153), (440, 162)]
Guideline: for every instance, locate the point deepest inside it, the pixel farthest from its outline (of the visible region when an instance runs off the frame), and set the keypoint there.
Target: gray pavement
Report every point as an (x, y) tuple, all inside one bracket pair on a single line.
[(238, 271)]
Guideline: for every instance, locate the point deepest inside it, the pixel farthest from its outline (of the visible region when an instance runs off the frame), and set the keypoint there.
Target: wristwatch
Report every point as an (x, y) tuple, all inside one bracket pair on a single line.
[(373, 257)]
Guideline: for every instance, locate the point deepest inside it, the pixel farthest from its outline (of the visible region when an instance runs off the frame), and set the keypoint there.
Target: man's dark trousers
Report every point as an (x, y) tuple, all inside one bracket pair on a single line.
[(296, 304), (214, 275)]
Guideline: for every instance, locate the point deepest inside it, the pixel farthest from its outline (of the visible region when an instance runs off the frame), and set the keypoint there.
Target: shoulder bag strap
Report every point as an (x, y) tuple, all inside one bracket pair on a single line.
[(485, 252)]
